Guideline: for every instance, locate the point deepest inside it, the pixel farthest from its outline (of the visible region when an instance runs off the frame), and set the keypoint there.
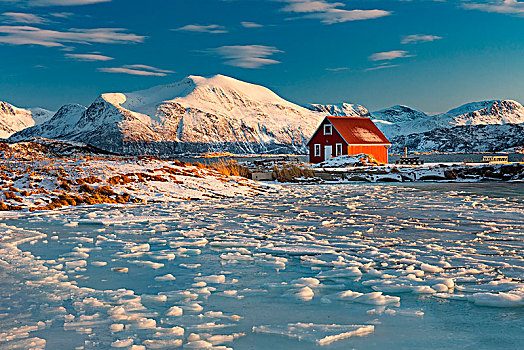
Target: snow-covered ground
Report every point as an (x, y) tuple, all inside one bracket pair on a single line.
[(32, 178), (332, 266)]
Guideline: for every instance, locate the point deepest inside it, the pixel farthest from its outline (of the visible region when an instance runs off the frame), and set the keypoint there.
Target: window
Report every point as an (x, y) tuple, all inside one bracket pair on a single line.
[(317, 150), (338, 149), (328, 129)]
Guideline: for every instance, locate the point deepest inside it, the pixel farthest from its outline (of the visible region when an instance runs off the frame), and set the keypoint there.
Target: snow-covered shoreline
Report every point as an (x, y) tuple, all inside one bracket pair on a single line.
[(32, 179)]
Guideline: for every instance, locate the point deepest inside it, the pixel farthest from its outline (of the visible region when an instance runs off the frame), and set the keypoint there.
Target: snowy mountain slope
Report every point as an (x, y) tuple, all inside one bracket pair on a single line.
[(13, 119), (62, 123), (401, 120), (196, 114), (464, 138), (340, 110)]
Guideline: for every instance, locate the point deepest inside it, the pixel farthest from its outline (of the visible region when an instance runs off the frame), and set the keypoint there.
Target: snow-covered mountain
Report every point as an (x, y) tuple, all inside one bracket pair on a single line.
[(478, 126), (402, 120), (194, 115), (62, 123), (340, 110), (13, 119), (464, 138), (220, 113)]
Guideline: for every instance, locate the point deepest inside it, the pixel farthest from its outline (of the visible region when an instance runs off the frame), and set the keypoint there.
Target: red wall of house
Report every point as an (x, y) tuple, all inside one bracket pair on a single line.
[(322, 140), (379, 152)]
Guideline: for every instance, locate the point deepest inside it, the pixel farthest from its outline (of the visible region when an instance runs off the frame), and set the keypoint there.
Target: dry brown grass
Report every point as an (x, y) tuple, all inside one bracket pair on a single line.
[(231, 168), (12, 195), (291, 172)]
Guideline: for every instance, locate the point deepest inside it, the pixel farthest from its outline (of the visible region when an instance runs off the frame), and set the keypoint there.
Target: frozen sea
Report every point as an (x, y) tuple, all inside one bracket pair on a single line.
[(364, 266)]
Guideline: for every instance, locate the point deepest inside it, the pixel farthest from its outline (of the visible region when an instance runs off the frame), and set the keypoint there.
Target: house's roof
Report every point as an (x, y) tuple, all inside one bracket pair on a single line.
[(358, 130)]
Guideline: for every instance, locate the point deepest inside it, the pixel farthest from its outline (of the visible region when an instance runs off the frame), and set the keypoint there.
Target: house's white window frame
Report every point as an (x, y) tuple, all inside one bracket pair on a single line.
[(316, 146), (337, 153), (328, 127)]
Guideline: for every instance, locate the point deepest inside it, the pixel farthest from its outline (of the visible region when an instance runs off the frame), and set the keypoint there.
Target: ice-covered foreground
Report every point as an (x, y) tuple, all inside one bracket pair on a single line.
[(341, 266)]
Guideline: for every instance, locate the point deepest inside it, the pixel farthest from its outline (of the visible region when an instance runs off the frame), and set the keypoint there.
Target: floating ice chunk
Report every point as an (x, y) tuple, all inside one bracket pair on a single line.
[(174, 311), (498, 299), (440, 288), (133, 248), (151, 264), (116, 327), (451, 296), (141, 323), (124, 343), (448, 282), (190, 266), (217, 279), (230, 293), (198, 344), (71, 224), (71, 265), (373, 298), (305, 294), (305, 281), (321, 334), (186, 242), (393, 288), (193, 307), (162, 343), (168, 277), (98, 263), (424, 290), (159, 298), (120, 269), (193, 337), (431, 268)]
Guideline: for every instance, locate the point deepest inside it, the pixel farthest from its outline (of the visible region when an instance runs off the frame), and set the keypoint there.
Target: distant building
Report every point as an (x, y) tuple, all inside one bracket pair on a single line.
[(338, 136)]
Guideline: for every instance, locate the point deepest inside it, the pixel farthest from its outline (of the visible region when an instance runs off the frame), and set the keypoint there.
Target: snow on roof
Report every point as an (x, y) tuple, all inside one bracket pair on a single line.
[(358, 130)]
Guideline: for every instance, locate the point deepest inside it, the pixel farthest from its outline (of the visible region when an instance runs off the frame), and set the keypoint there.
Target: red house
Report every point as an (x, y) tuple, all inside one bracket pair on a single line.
[(338, 136)]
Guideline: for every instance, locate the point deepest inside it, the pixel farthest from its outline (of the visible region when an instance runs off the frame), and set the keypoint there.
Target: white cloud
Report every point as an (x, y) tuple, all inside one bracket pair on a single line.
[(385, 66), (302, 6), (27, 35), (389, 55), (330, 12), (18, 17), (212, 28), (512, 7), (339, 69), (88, 57), (340, 16), (55, 2), (419, 38), (137, 69), (251, 25), (248, 56)]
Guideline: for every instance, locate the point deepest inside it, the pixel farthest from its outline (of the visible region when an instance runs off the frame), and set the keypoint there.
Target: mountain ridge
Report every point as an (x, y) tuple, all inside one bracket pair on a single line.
[(220, 113)]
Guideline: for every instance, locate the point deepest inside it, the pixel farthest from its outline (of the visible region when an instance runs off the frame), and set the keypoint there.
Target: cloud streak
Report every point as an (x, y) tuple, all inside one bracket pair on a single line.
[(512, 7), (212, 28), (247, 56), (19, 17), (389, 55), (251, 25), (330, 12), (29, 35), (88, 57), (419, 38), (55, 2), (137, 69)]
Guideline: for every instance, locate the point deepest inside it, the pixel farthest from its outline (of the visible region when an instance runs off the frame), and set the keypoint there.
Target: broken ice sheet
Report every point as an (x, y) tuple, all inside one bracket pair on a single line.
[(322, 334)]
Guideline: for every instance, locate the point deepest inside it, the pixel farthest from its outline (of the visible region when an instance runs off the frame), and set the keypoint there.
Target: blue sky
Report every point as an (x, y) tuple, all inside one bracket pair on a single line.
[(432, 55)]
